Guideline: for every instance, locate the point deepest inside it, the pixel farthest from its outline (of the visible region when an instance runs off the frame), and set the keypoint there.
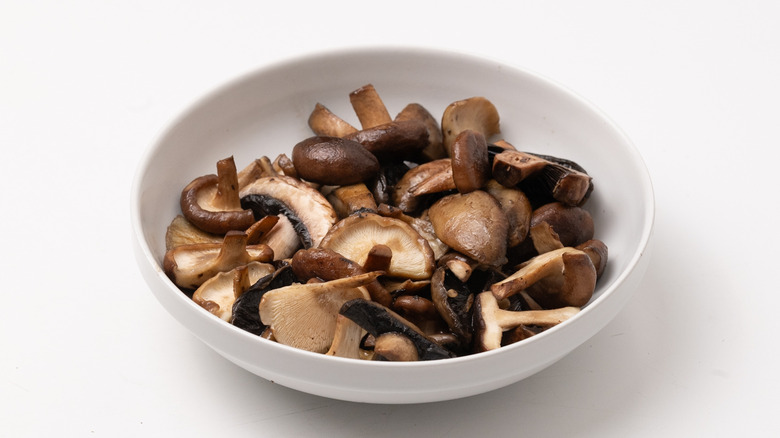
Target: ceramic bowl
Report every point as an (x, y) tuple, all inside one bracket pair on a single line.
[(265, 112)]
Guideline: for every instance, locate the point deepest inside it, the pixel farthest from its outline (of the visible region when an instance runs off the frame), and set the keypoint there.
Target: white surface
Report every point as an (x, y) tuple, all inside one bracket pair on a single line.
[(265, 113), (85, 86)]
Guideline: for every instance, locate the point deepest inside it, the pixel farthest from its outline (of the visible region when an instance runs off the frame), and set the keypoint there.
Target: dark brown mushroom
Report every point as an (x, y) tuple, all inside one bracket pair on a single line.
[(573, 225), (470, 166), (394, 141), (435, 148), (517, 208), (475, 113), (333, 161), (211, 202)]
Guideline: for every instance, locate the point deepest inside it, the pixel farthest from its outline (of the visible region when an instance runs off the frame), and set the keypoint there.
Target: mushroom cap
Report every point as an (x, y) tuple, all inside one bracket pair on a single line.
[(574, 225), (473, 224), (355, 236), (183, 232), (517, 208), (475, 113), (304, 315), (219, 293), (435, 148), (393, 141), (333, 161), (417, 182), (470, 166), (306, 207)]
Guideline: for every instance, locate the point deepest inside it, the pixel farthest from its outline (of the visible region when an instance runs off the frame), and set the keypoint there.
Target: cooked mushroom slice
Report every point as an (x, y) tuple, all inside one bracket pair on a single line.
[(470, 166), (555, 182), (453, 300), (473, 224), (395, 347), (282, 238), (510, 167), (260, 229), (490, 321), (211, 202), (383, 185), (346, 339), (245, 310), (323, 122), (378, 258), (219, 293), (304, 315), (354, 236), (256, 169), (475, 113), (189, 266), (333, 161), (404, 196), (569, 164), (394, 141), (544, 238), (517, 208), (329, 265), (377, 319), (421, 224), (435, 148), (563, 277), (284, 165), (182, 232), (306, 208), (573, 225), (368, 106), (350, 199), (421, 312), (598, 253)]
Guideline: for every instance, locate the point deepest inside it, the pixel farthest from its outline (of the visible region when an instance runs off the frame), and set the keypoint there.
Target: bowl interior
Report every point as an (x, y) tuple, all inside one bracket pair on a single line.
[(266, 112)]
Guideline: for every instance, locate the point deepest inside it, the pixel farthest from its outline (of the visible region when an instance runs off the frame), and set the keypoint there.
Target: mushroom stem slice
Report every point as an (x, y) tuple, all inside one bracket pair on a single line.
[(226, 197), (323, 122), (566, 277), (346, 339), (395, 347), (510, 167), (219, 293), (491, 321), (368, 106)]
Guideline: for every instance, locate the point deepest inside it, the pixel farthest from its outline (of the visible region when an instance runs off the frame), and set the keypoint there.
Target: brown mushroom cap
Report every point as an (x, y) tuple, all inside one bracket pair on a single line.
[(517, 208), (470, 166), (393, 141), (473, 224), (475, 113), (218, 293), (333, 161), (574, 225), (433, 175), (435, 148), (211, 202)]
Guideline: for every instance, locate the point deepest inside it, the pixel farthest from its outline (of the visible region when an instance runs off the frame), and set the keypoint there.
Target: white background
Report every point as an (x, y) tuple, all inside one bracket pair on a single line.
[(85, 87)]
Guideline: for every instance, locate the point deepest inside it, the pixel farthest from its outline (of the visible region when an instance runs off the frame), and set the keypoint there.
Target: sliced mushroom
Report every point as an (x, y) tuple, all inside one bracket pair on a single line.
[(553, 182), (395, 347), (453, 300), (598, 253), (435, 148), (510, 167), (368, 106), (346, 339), (377, 320), (323, 122), (219, 293), (351, 199), (573, 225), (211, 202), (306, 208), (475, 113), (544, 238), (189, 266), (421, 224), (421, 312), (304, 315), (470, 166), (490, 321), (563, 277), (333, 161), (354, 236), (182, 232), (245, 309), (394, 141), (473, 224), (407, 193), (329, 265), (283, 238)]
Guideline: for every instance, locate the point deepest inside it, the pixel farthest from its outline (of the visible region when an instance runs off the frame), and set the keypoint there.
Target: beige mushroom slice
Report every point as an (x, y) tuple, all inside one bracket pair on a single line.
[(282, 238), (407, 192), (517, 208), (219, 293), (473, 224), (395, 347), (308, 210), (421, 224), (346, 339), (475, 113), (351, 199), (563, 277), (305, 315), (189, 266), (368, 106), (323, 122), (355, 236), (435, 148), (490, 321), (544, 238), (181, 232), (211, 202)]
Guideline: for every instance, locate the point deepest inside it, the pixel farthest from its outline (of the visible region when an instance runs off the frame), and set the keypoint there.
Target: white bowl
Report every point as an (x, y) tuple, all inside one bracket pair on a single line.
[(265, 113)]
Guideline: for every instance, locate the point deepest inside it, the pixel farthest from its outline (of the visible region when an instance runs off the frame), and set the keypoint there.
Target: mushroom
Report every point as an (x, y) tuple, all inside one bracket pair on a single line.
[(517, 208), (333, 161), (393, 141), (421, 224), (354, 237), (435, 148), (563, 277), (323, 122), (368, 106), (245, 308), (377, 320), (304, 315), (329, 265), (453, 300), (490, 321), (420, 311), (598, 253), (475, 113), (307, 209), (189, 266), (211, 202), (182, 232), (470, 166), (473, 224), (395, 347), (350, 199), (219, 293), (346, 339), (510, 167), (434, 176), (573, 225)]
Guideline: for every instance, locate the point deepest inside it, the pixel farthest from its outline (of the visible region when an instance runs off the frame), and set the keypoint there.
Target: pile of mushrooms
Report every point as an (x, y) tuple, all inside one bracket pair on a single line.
[(404, 239)]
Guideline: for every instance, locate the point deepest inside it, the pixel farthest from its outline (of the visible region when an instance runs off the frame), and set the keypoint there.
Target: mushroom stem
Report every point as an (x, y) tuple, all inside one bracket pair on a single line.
[(227, 197), (368, 106), (395, 347)]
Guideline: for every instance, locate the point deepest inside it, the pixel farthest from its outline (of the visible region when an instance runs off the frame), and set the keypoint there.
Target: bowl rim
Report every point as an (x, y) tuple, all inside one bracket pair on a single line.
[(147, 255)]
